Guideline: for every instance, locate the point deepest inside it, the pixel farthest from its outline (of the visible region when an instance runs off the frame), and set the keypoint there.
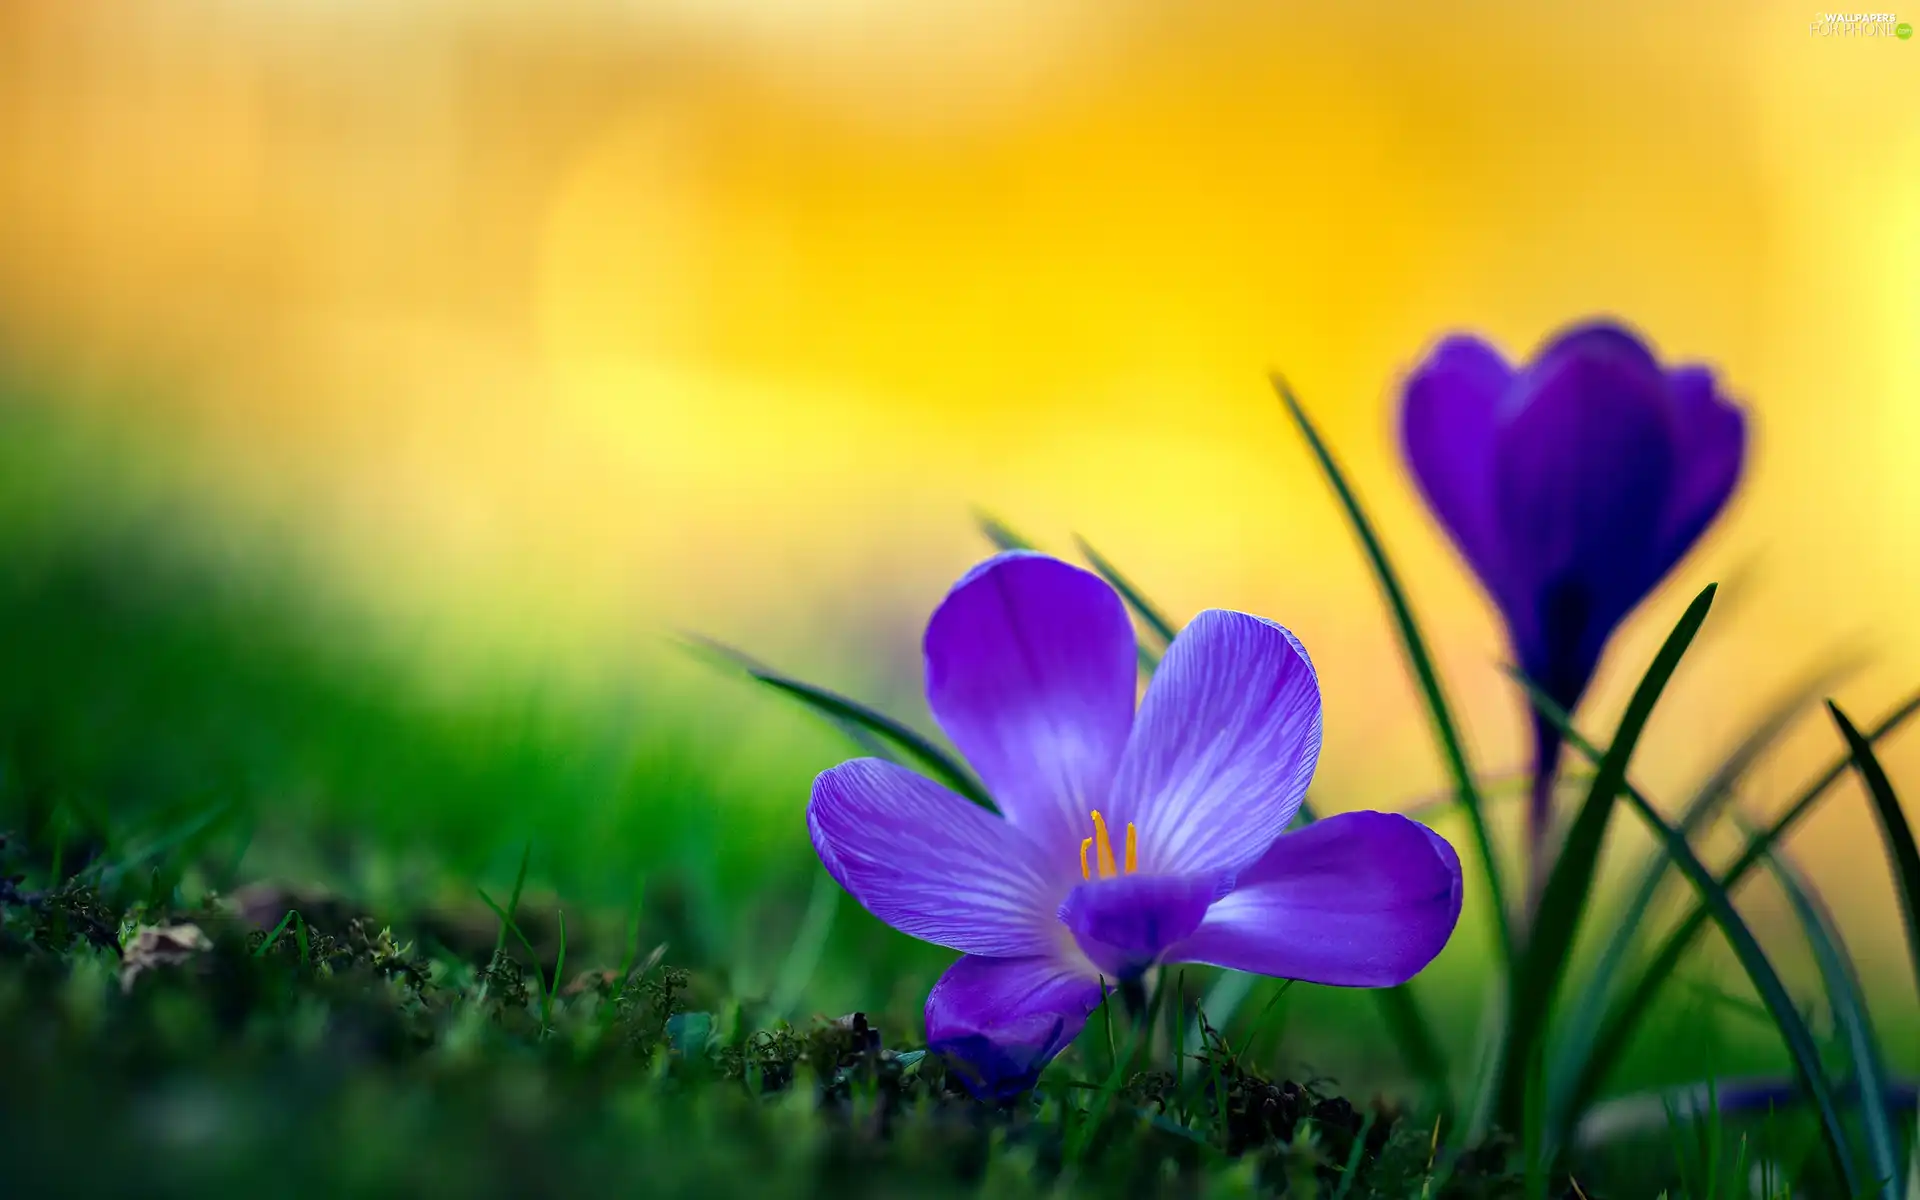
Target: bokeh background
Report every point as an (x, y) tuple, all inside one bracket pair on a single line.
[(510, 338)]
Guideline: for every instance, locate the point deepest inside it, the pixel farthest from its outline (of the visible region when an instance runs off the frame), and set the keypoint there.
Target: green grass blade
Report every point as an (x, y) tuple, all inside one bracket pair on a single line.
[(1506, 785), (844, 711), (107, 871), (1446, 732), (997, 532), (1533, 1151), (513, 899), (1848, 1002), (1713, 995), (729, 658), (1713, 1149), (809, 945), (1271, 1010), (1489, 1040), (1414, 1036), (1352, 1169), (1902, 854), (1564, 898), (1913, 1164), (1626, 1018), (1802, 1047), (274, 935), (1143, 608), (1577, 1026), (1222, 1000), (610, 1011), (1740, 1096), (540, 991), (1123, 1063), (936, 760)]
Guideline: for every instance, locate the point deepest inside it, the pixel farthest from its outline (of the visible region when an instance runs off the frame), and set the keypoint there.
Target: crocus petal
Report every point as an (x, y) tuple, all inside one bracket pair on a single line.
[(1447, 433), (1000, 1021), (1362, 899), (930, 863), (1032, 670), (1582, 471), (1124, 924), (1223, 749), (1710, 448)]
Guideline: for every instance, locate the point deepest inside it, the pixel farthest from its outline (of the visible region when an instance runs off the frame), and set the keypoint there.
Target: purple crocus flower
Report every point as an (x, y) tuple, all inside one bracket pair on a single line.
[(1126, 840), (1572, 486)]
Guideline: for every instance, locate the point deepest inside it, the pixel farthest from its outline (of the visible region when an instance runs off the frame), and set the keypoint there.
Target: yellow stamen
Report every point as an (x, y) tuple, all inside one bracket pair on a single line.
[(1104, 846), (1096, 852)]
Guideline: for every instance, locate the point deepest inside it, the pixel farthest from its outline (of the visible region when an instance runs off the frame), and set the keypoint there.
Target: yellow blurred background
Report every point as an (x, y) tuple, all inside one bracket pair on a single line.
[(571, 321)]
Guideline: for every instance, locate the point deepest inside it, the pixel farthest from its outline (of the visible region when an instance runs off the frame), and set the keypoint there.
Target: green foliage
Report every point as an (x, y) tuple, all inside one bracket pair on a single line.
[(1556, 922), (265, 1027), (1847, 1001), (1810, 1071), (1627, 1016), (1522, 1091), (180, 738), (1895, 833), (1580, 1018)]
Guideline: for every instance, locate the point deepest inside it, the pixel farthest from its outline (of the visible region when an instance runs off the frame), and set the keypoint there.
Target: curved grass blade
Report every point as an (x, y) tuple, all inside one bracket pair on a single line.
[(107, 870), (727, 656), (1123, 1065), (1452, 750), (1847, 999), (1150, 616), (809, 944), (1741, 1096), (845, 712), (1760, 971), (1902, 854), (997, 532), (542, 992), (931, 756), (1626, 1018), (1222, 1000), (273, 935), (1505, 785), (513, 899), (1913, 1164), (1577, 1026), (1414, 1036), (1564, 898), (1489, 1040)]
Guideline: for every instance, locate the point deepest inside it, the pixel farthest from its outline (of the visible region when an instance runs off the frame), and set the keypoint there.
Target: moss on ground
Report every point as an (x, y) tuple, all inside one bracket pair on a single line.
[(180, 1048)]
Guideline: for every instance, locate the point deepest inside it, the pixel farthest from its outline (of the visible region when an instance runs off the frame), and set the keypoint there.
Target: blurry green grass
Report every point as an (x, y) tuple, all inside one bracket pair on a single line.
[(152, 666), (157, 665), (158, 669)]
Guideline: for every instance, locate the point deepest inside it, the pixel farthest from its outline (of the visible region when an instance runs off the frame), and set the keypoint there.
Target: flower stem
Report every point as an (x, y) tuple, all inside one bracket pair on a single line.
[(1546, 761)]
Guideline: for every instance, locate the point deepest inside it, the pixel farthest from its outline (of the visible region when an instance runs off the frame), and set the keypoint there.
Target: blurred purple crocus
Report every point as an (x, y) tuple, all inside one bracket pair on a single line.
[(1572, 485), (1126, 839)]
